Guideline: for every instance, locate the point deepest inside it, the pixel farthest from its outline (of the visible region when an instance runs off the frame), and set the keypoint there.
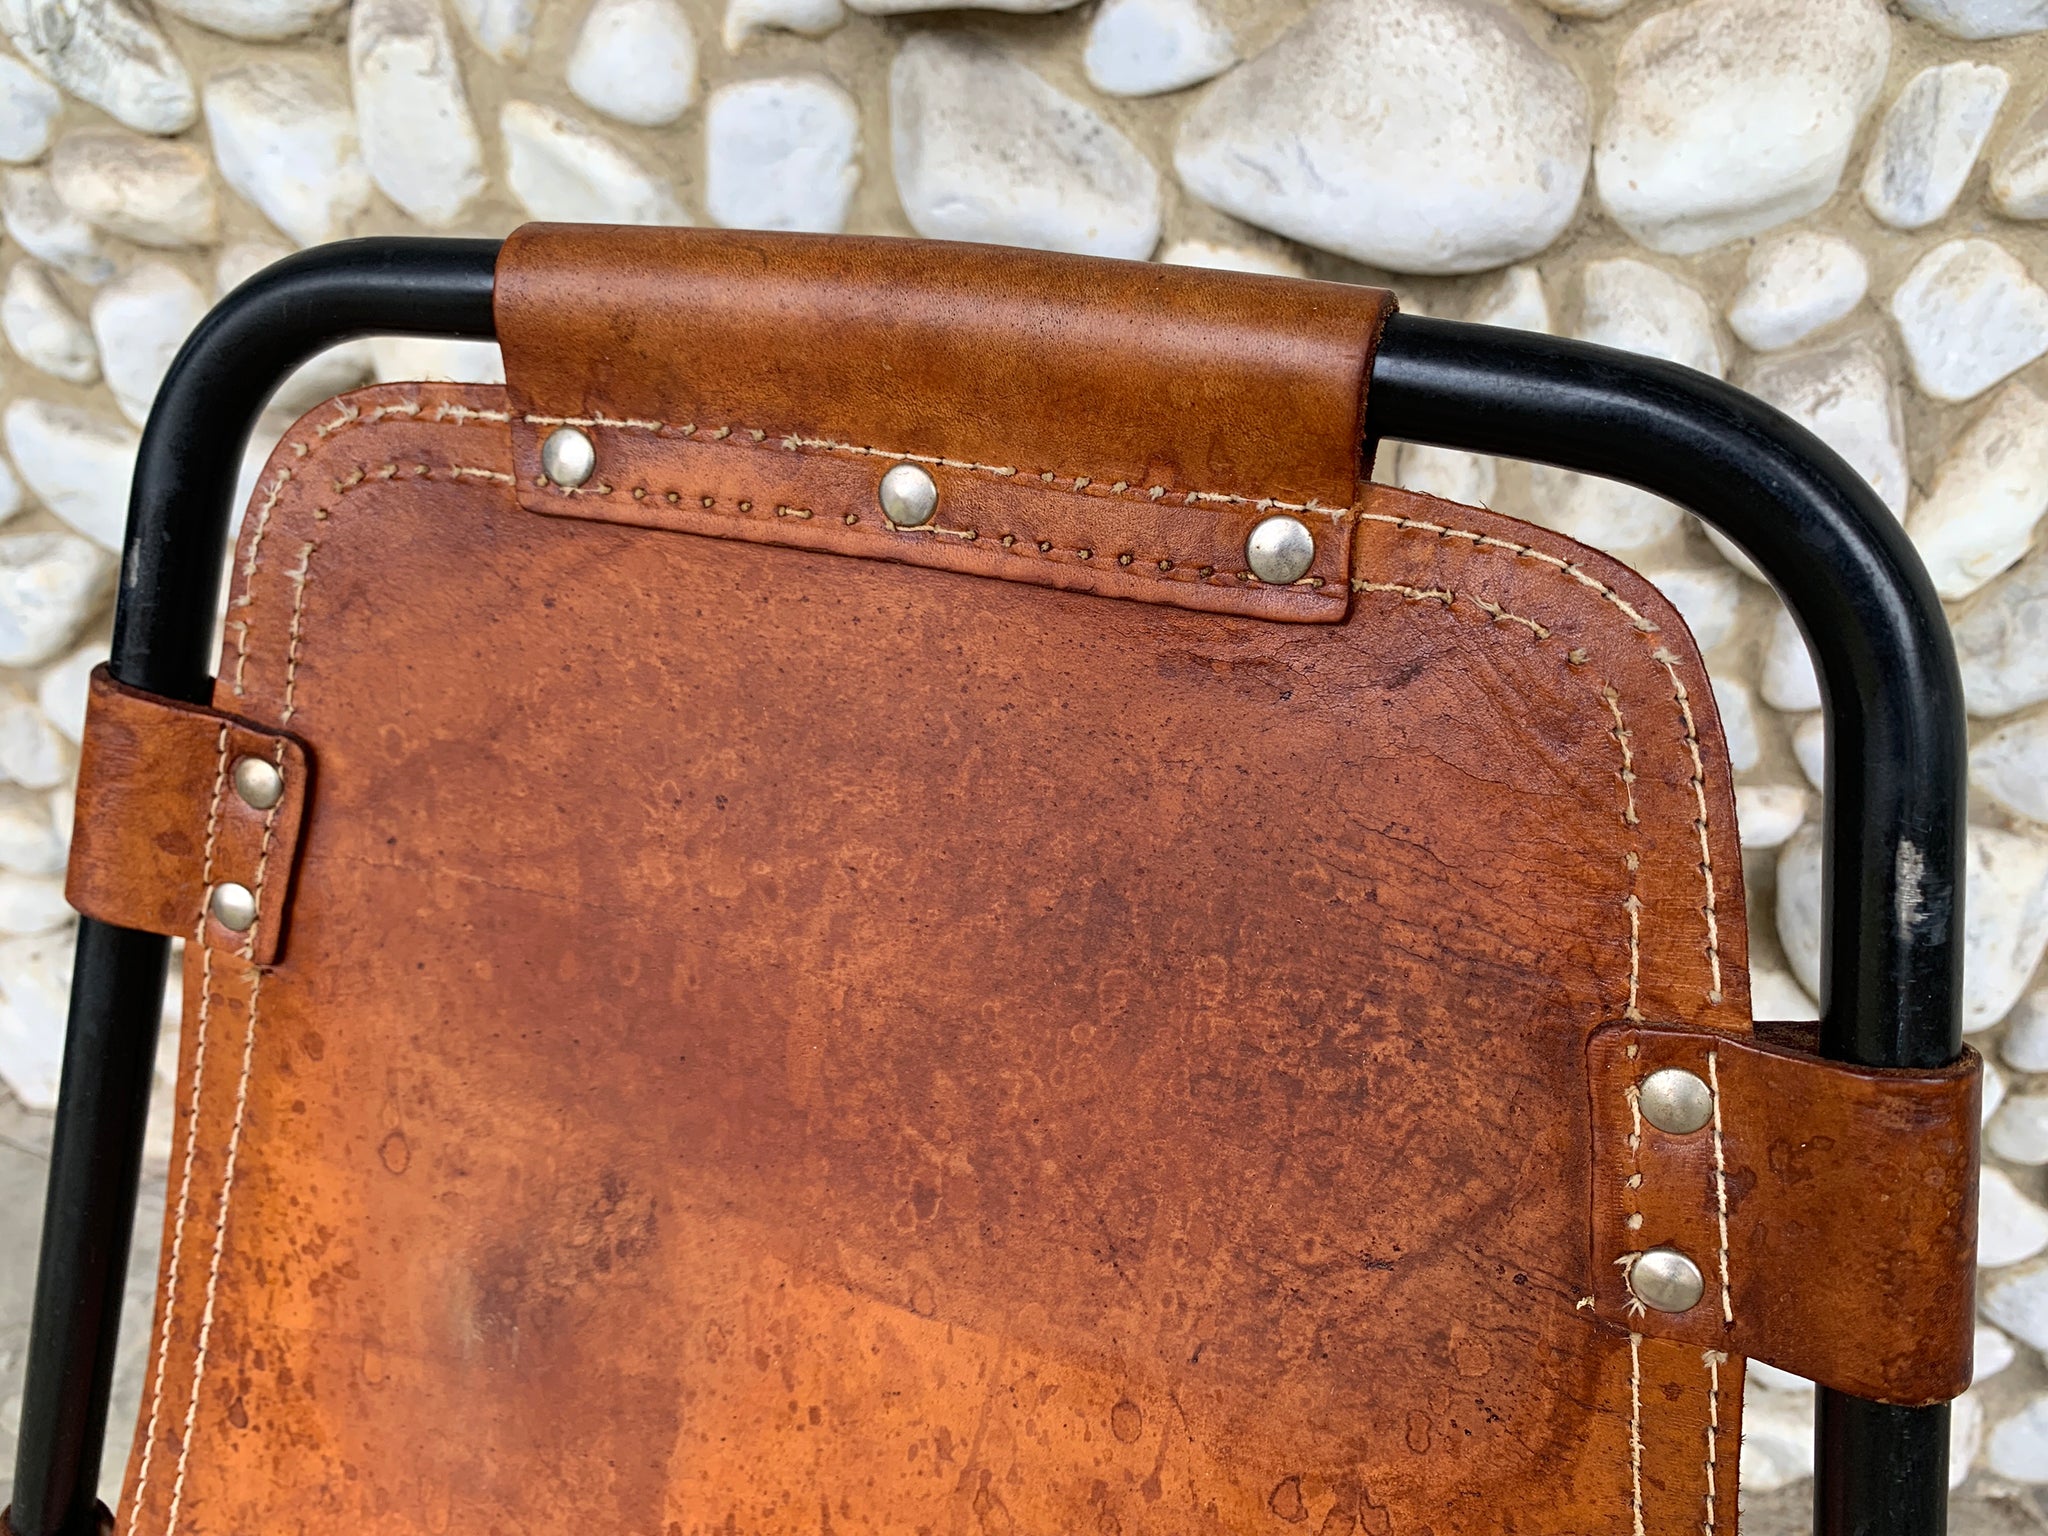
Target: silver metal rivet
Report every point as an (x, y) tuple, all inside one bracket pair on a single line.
[(258, 783), (234, 906), (568, 457), (908, 496), (1666, 1280), (1676, 1101), (1280, 550)]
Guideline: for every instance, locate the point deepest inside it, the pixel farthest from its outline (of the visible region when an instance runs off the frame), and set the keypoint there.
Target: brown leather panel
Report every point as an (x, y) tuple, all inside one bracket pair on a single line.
[(1135, 371), (159, 821), (1116, 540), (773, 1040), (1831, 1208)]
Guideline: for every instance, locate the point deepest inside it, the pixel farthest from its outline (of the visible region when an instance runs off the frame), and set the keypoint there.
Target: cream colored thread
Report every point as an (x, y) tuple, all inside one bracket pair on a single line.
[(795, 443), (220, 1227), (1523, 551), (1714, 1360), (1720, 1185), (299, 578), (1633, 1184), (1699, 794), (163, 1343), (269, 833), (1635, 1428), (447, 410), (465, 472), (1444, 595)]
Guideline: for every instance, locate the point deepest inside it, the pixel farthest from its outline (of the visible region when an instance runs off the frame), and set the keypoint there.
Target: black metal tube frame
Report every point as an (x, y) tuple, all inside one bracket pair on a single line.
[(1893, 834)]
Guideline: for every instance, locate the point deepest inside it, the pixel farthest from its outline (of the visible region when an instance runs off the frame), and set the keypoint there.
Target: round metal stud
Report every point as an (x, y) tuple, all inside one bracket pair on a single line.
[(1666, 1280), (258, 783), (568, 457), (1280, 550), (1676, 1101), (908, 496), (234, 906)]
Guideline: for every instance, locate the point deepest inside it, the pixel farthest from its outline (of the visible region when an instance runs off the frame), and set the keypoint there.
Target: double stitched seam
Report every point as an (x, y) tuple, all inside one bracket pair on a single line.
[(1624, 741), (163, 1344), (795, 443), (349, 415)]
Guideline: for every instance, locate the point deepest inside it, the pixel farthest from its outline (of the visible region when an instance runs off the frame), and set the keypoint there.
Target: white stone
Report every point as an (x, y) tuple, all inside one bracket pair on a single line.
[(1810, 749), (1788, 681), (1707, 597), (61, 690), (46, 229), (1737, 707), (404, 358), (284, 134), (412, 114), (1144, 47), (152, 191), (1767, 814), (1993, 1093), (322, 377), (1843, 394), (2011, 766), (1467, 478), (2018, 1447), (2026, 1038), (1429, 136), (255, 21), (1732, 116), (77, 462), (635, 60), (1773, 1379), (1732, 553), (1641, 308), (2002, 641), (808, 18), (2019, 1131), (1978, 19), (1517, 300), (1229, 258), (35, 998), (906, 7), (28, 106), (31, 904), (1988, 495), (108, 53), (242, 260), (1969, 315), (1929, 140), (1777, 1437), (984, 149), (1965, 1437), (2010, 1227), (50, 584), (1776, 995), (1591, 9), (2018, 1303), (33, 752), (564, 170), (29, 844), (781, 153), (11, 500), (502, 28), (63, 803), (1798, 906), (41, 327), (1795, 284), (1993, 1352), (140, 320), (2005, 927), (2019, 173), (1603, 513)]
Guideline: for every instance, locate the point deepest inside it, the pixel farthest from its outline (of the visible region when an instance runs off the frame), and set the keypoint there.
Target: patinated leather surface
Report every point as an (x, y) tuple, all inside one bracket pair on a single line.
[(158, 822), (773, 1041), (1831, 1208)]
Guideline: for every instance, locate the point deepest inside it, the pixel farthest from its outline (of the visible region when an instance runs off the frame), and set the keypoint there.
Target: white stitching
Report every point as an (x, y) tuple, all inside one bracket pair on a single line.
[(1713, 1359), (1699, 790), (1523, 551), (1635, 1427), (1720, 1185), (796, 443)]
